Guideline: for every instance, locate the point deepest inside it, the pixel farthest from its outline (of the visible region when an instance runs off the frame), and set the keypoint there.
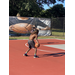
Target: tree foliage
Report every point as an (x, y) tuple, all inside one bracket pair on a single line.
[(47, 1), (34, 8), (55, 11), (25, 6)]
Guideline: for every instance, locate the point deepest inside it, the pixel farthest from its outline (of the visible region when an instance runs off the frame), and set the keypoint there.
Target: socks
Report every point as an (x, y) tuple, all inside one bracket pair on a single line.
[(26, 53), (34, 54)]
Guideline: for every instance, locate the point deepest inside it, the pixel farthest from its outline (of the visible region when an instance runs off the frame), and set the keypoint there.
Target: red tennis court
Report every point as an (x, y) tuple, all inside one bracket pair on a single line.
[(51, 60)]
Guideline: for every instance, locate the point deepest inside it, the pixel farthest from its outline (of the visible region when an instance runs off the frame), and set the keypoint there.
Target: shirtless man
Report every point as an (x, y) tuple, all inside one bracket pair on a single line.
[(31, 43)]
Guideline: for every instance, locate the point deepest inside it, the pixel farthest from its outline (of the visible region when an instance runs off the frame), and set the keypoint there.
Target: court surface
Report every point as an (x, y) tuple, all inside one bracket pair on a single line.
[(51, 59)]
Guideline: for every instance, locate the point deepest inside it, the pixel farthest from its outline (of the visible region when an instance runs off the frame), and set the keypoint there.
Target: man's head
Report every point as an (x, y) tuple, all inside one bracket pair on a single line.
[(35, 32), (34, 27)]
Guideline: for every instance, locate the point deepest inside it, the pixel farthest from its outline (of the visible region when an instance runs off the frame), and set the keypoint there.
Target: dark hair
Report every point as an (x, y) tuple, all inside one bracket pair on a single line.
[(35, 31), (34, 28)]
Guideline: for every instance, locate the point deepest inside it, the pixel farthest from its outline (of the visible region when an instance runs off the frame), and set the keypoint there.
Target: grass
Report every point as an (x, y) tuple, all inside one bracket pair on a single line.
[(56, 34), (40, 37)]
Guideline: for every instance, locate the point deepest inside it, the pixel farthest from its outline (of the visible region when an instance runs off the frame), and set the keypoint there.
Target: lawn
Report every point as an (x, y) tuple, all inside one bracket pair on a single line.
[(58, 32)]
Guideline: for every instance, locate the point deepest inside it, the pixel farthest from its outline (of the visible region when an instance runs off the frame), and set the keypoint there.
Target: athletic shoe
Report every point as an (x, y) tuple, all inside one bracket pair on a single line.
[(35, 56), (25, 54)]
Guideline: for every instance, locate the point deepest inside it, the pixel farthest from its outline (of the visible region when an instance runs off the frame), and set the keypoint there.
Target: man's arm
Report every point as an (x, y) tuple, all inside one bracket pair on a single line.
[(46, 28), (36, 38)]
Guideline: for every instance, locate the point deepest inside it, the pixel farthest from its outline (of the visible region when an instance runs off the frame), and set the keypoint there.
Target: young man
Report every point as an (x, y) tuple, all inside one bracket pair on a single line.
[(31, 43)]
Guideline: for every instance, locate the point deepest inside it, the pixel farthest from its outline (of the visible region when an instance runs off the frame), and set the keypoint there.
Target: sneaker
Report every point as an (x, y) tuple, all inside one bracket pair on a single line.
[(25, 54), (35, 56)]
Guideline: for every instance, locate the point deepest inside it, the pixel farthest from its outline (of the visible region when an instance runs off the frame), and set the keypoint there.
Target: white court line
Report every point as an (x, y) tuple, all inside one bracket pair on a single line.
[(44, 50), (59, 46), (26, 45), (38, 49), (49, 51)]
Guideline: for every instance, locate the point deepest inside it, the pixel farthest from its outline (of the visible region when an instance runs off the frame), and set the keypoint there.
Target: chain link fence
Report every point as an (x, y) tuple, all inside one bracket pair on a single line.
[(58, 26)]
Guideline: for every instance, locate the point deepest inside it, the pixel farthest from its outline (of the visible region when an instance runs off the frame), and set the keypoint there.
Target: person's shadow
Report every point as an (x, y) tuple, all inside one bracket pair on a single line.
[(49, 43), (54, 54)]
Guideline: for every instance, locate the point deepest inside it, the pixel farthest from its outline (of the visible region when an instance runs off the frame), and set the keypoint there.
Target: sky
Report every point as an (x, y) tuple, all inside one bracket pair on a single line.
[(51, 5)]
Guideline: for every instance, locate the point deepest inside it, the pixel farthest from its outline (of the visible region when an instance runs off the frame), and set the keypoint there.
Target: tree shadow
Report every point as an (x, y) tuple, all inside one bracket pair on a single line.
[(54, 54), (49, 43)]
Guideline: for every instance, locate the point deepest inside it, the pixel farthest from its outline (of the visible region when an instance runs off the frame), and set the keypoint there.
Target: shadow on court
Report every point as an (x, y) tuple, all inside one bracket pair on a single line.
[(50, 43), (54, 54)]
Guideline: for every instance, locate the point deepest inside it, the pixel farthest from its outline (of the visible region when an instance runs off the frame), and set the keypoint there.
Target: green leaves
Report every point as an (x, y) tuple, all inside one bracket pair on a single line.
[(34, 8)]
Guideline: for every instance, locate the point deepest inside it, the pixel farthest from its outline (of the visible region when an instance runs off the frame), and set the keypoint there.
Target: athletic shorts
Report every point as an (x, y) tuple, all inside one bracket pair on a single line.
[(31, 44)]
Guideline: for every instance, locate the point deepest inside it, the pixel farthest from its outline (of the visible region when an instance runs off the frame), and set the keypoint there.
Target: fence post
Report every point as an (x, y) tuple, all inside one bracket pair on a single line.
[(63, 25), (51, 25)]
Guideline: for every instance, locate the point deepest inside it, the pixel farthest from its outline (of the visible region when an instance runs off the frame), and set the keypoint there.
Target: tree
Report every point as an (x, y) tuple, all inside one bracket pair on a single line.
[(14, 7), (24, 7), (47, 1), (29, 6), (30, 9), (58, 11), (55, 11)]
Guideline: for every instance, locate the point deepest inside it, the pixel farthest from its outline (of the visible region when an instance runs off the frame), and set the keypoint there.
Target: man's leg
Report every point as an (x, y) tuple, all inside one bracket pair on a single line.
[(35, 53), (27, 52)]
